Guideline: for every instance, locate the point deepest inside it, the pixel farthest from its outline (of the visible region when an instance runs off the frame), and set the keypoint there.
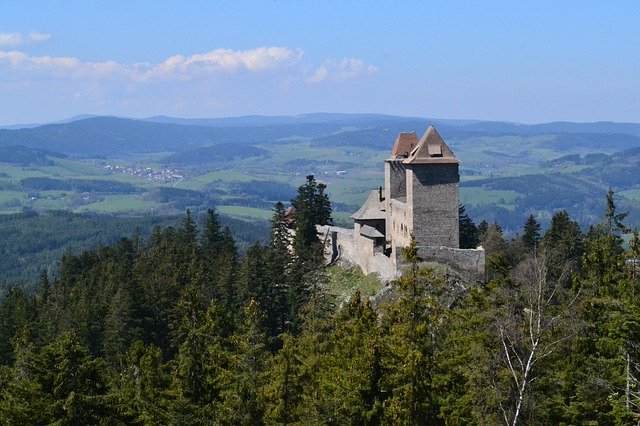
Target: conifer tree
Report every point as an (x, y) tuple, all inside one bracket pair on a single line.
[(467, 229), (242, 400), (283, 391), (411, 329), (141, 388), (305, 292), (563, 244), (350, 381), (531, 235), (278, 264)]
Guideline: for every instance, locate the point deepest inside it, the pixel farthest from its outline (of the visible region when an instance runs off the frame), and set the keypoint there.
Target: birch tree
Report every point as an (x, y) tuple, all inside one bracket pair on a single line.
[(532, 328)]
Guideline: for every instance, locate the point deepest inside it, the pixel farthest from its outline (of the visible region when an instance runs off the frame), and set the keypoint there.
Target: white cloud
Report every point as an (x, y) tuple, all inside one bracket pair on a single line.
[(177, 67), (11, 39), (221, 61), (346, 69), (36, 36), (319, 76), (18, 39)]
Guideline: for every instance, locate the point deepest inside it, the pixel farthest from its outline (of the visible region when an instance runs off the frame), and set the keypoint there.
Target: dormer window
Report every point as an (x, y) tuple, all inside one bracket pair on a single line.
[(434, 150)]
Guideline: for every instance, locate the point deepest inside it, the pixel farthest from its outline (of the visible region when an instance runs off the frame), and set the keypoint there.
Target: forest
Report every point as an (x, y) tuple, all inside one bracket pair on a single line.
[(180, 329)]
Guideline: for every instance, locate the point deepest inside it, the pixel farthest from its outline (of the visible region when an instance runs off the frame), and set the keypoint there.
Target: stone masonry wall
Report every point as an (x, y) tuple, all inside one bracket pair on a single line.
[(357, 250), (468, 263), (399, 224), (395, 185), (433, 193)]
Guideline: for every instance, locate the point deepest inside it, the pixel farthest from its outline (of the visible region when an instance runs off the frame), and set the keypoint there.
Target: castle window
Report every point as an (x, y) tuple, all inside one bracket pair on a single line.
[(434, 150)]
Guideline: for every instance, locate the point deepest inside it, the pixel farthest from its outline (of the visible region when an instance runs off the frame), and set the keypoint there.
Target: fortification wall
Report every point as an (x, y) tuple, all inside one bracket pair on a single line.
[(395, 186), (433, 193), (468, 263), (357, 250), (395, 182), (347, 245), (399, 224)]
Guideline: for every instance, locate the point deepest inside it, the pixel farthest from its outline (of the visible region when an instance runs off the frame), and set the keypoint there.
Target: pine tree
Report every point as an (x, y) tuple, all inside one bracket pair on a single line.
[(350, 380), (141, 389), (613, 220), (563, 244), (312, 207), (278, 264), (531, 234), (242, 400), (411, 330), (305, 290), (468, 230)]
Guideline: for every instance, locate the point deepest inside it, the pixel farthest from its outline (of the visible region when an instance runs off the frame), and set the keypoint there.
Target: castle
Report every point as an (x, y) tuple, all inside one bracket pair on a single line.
[(420, 198)]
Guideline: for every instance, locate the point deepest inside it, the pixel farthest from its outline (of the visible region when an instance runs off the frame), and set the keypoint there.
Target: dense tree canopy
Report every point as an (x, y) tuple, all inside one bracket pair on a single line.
[(180, 329)]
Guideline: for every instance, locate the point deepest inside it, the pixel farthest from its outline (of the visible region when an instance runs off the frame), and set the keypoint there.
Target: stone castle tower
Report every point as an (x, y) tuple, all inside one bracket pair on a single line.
[(421, 191), (420, 198)]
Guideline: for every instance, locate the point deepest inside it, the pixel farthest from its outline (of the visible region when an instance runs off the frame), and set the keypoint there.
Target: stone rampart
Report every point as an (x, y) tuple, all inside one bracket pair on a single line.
[(347, 245), (468, 263)]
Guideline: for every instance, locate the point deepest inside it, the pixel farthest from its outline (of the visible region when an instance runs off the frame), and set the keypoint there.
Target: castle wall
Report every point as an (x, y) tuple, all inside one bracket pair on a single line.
[(468, 263), (395, 186), (357, 250), (400, 223), (395, 183), (433, 193)]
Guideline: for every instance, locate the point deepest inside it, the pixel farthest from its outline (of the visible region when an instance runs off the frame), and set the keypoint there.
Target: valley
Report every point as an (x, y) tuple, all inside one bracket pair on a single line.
[(243, 166)]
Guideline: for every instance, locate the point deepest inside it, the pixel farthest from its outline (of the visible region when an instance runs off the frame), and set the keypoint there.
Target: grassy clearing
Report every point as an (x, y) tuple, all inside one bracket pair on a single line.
[(18, 173), (250, 212), (79, 167), (483, 196), (199, 182), (10, 195), (345, 282), (118, 204)]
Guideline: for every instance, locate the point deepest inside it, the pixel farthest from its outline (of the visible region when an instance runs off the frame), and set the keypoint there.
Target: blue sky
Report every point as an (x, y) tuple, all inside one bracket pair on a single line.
[(515, 61)]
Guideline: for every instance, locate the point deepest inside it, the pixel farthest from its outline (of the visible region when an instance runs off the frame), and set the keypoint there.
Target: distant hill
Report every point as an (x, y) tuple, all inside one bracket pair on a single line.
[(23, 156), (263, 120), (501, 128), (114, 136), (223, 152)]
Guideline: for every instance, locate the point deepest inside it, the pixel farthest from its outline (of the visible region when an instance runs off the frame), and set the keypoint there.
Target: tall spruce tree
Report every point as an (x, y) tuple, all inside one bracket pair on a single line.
[(467, 229), (305, 292), (278, 265), (531, 233)]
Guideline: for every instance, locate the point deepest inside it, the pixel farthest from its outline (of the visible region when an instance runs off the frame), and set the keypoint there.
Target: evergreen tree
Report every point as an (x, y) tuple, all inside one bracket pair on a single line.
[(16, 312), (482, 229), (531, 235), (278, 264), (563, 244), (350, 382), (613, 219), (312, 207), (141, 389), (59, 384), (411, 332), (284, 387), (468, 230), (305, 291), (242, 400)]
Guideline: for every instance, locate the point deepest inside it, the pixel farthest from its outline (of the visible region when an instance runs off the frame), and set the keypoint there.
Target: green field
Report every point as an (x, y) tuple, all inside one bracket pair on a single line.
[(482, 196), (119, 204), (250, 212)]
